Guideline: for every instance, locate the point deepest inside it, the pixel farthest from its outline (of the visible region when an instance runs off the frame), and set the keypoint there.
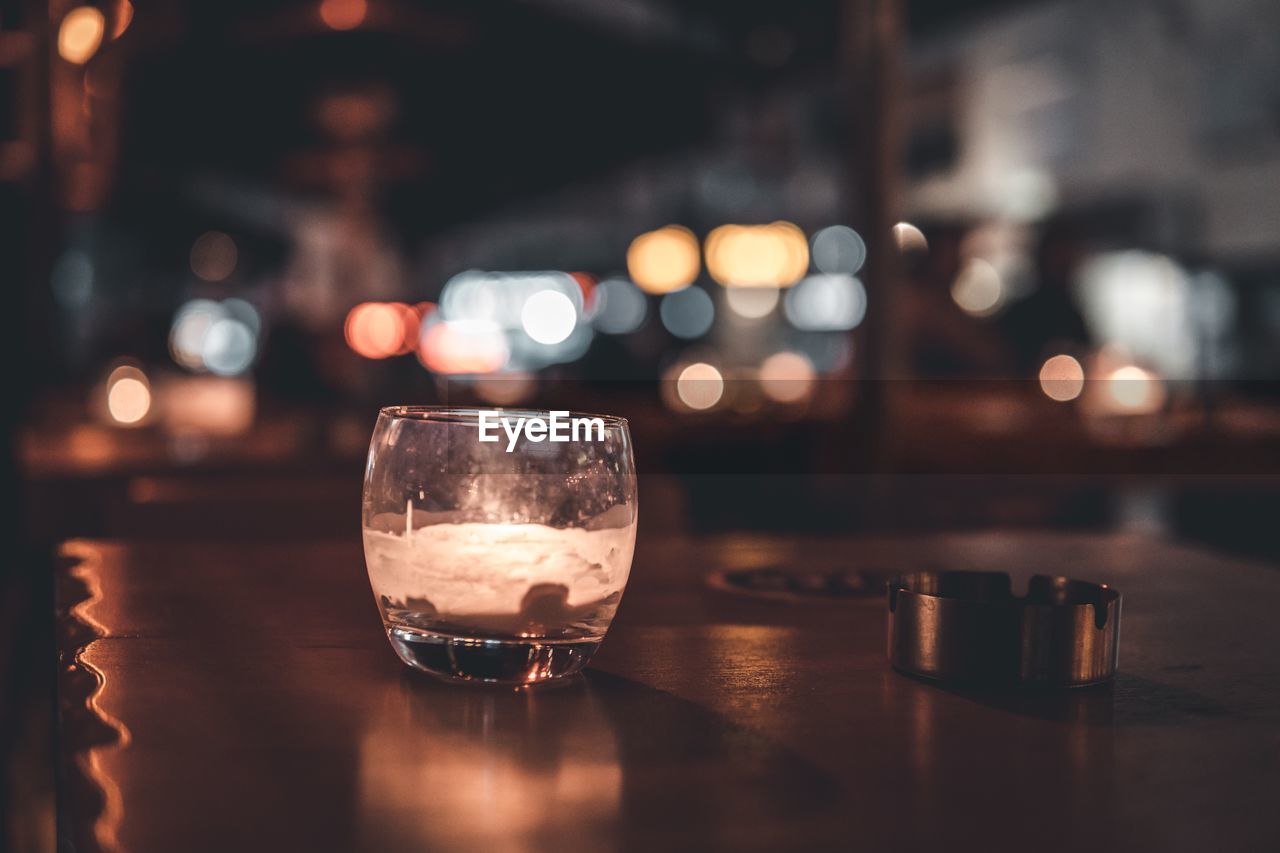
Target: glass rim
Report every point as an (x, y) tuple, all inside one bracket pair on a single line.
[(471, 414)]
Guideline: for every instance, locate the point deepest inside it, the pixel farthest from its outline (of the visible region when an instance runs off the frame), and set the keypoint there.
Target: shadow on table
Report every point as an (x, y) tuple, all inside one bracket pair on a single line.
[(1127, 700), (598, 764)]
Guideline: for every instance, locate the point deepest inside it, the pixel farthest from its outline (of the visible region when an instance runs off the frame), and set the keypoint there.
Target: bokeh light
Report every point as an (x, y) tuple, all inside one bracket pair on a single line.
[(586, 283), (381, 329), (462, 347), (243, 311), (687, 313), (909, 238), (775, 255), (539, 314), (1143, 304), (229, 347), (220, 337), (128, 401), (1135, 390), (620, 307), (979, 289), (128, 395), (664, 260), (838, 250), (787, 377), (123, 18), (751, 302), (80, 34), (548, 317), (190, 326), (500, 298), (213, 256), (826, 303), (343, 14), (700, 386), (1061, 378), (194, 406)]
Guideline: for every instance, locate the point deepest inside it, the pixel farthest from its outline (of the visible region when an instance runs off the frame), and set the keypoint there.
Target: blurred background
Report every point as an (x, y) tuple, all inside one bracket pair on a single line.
[(866, 265)]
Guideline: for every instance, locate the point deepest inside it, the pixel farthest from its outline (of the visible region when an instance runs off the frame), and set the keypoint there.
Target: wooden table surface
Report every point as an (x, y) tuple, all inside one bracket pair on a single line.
[(237, 697)]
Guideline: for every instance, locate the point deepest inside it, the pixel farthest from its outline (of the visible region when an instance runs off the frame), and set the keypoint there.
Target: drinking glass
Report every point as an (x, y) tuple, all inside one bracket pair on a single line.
[(500, 560)]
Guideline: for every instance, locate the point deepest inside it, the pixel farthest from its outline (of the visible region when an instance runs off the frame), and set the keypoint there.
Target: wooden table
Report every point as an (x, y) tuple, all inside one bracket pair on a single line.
[(236, 697)]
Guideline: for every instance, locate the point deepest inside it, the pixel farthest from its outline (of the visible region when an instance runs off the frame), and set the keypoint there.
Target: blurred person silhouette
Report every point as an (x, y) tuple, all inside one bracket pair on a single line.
[(942, 341), (1048, 320)]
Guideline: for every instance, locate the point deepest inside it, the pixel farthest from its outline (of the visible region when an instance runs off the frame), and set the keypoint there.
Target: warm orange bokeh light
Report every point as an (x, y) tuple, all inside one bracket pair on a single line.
[(461, 348), (124, 17), (664, 260), (775, 255), (1062, 378), (128, 395), (343, 14), (81, 34), (787, 377), (207, 405), (1134, 390), (700, 386), (383, 329)]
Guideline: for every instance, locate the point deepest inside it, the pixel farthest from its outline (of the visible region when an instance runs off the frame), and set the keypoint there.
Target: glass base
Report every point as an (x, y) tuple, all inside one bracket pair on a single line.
[(488, 660)]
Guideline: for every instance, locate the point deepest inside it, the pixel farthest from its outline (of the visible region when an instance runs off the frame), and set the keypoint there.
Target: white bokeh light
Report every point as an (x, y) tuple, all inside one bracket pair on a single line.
[(687, 313), (499, 297), (838, 250), (751, 303), (979, 288), (229, 347), (826, 303), (220, 337), (190, 328), (548, 317)]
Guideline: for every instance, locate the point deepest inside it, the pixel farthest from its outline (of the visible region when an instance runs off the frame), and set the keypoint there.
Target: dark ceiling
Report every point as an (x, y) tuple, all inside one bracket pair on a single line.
[(488, 101)]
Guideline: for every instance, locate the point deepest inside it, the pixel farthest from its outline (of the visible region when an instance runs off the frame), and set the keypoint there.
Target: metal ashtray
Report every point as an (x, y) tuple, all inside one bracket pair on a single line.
[(969, 627)]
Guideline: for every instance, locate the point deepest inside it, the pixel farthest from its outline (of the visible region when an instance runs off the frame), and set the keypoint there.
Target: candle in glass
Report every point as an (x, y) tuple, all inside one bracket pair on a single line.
[(497, 565)]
